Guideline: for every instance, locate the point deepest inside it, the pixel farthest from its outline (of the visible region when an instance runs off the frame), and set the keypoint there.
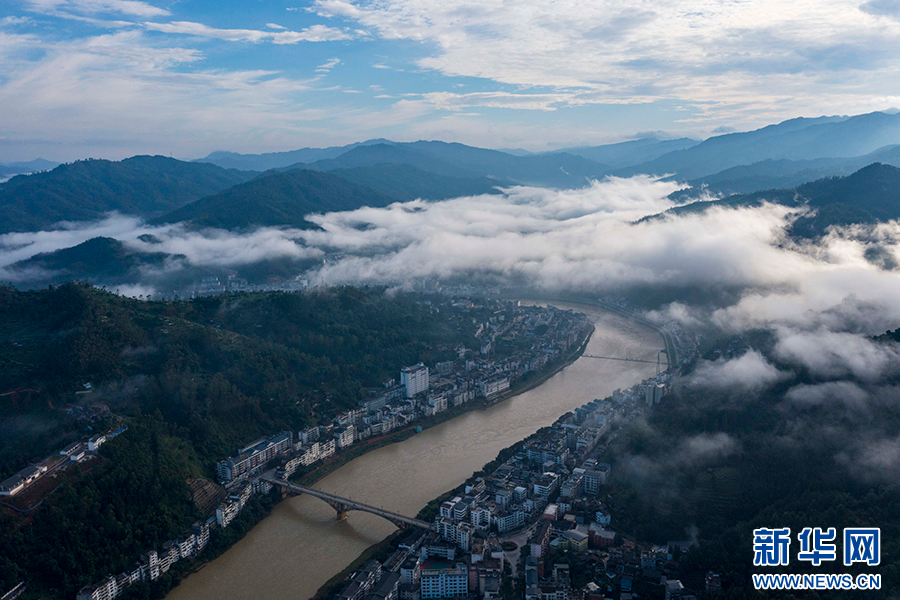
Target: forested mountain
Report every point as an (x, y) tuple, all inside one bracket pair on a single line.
[(634, 152), (557, 169), (796, 139), (869, 195), (715, 463), (549, 170), (381, 154), (277, 199), (194, 380), (85, 190), (278, 160), (100, 260), (405, 182), (784, 173)]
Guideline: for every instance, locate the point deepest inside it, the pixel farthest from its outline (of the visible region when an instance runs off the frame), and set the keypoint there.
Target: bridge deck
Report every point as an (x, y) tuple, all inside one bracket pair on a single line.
[(350, 504), (637, 360)]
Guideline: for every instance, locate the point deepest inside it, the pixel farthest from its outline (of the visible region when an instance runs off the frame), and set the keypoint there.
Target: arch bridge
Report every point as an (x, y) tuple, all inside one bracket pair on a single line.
[(342, 505)]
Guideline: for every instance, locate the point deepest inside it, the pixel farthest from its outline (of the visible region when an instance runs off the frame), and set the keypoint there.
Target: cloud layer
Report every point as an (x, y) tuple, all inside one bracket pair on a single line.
[(174, 78)]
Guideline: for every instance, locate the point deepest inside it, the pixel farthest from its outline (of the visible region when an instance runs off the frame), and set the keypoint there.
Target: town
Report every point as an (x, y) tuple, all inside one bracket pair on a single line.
[(539, 517), (532, 338)]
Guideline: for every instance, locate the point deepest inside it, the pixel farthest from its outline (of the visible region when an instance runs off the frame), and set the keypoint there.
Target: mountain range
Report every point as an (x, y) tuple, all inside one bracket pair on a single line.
[(31, 166), (797, 140), (88, 189), (840, 167), (276, 199), (870, 195)]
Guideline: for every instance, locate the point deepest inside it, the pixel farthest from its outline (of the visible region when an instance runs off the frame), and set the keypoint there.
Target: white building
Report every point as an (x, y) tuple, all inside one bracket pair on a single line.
[(344, 436), (493, 386), (105, 590), (226, 512), (441, 579), (414, 379)]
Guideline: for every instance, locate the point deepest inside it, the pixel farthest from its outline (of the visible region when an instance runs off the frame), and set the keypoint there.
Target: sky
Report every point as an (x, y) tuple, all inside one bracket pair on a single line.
[(113, 78)]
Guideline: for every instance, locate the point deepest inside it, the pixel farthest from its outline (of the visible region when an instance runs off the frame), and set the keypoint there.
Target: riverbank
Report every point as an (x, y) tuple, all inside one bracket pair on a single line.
[(520, 387), (671, 350), (367, 446), (297, 549), (333, 585)]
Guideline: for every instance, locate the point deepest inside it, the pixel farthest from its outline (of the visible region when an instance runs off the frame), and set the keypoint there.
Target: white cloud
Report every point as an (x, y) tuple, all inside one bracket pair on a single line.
[(750, 372), (577, 238), (11, 20), (735, 58), (834, 355), (131, 91), (132, 8), (207, 248), (843, 393), (315, 33), (328, 65)]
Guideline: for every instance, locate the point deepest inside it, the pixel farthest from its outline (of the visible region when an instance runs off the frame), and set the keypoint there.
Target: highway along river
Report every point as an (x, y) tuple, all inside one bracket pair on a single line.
[(300, 546)]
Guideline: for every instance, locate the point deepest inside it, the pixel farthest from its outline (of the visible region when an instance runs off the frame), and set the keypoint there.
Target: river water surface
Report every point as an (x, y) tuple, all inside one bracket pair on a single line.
[(300, 546)]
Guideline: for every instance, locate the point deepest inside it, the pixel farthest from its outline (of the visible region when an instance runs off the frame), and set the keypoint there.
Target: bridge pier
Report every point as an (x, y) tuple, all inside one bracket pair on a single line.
[(340, 509), (342, 506)]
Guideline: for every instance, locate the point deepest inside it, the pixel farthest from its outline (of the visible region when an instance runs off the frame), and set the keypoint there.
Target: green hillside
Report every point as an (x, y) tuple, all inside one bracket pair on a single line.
[(98, 259), (870, 195), (193, 381), (277, 199), (405, 182), (87, 189)]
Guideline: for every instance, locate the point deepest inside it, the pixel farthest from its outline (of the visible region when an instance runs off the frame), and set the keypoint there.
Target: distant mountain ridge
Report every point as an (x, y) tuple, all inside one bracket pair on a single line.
[(278, 160), (870, 195), (624, 154), (88, 189), (277, 199), (784, 173), (98, 260), (406, 182), (795, 139), (554, 169)]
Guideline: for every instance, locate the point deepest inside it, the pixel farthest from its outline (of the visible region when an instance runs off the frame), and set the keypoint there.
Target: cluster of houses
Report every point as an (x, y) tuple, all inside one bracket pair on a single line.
[(75, 452), (539, 334), (550, 489), (154, 563), (424, 567)]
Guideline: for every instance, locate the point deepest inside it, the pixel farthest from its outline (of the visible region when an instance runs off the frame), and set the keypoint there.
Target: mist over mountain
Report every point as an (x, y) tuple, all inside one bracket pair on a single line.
[(277, 160), (100, 260), (796, 139), (88, 189), (341, 203), (458, 160), (868, 196), (276, 199), (405, 182), (15, 168), (634, 152)]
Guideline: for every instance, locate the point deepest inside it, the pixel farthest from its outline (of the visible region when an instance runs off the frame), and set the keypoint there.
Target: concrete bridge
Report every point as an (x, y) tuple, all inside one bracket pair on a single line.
[(658, 360), (343, 505)]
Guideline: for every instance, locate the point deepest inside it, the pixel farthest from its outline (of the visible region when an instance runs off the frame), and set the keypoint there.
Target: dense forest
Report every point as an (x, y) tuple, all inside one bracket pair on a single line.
[(277, 199), (714, 464), (88, 189), (193, 380)]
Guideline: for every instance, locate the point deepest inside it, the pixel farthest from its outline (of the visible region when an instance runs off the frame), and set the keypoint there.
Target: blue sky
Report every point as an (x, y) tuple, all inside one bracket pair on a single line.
[(112, 78)]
